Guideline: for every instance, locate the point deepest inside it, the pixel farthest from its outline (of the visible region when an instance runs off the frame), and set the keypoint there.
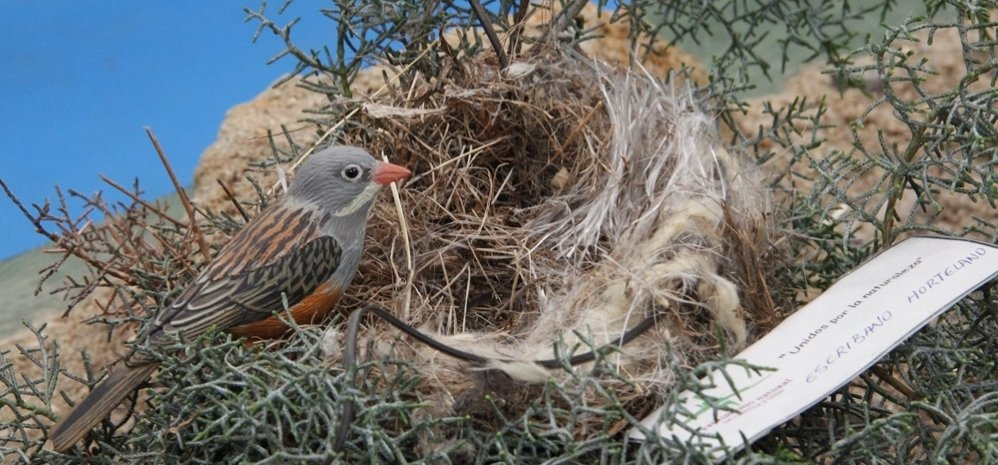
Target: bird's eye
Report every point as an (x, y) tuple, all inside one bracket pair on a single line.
[(351, 172)]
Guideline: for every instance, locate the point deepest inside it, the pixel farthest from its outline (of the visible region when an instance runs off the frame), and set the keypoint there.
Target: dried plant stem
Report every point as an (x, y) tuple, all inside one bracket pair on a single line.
[(232, 198), (460, 157), (581, 126), (888, 378), (490, 32), (205, 251), (62, 242), (561, 21), (898, 179), (139, 201), (407, 244), (518, 18)]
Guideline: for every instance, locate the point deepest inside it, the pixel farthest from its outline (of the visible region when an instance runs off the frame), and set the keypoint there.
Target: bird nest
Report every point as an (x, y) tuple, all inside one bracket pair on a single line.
[(557, 207)]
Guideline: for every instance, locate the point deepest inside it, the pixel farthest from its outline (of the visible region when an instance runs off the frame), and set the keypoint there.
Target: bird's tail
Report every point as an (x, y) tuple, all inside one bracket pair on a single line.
[(98, 405)]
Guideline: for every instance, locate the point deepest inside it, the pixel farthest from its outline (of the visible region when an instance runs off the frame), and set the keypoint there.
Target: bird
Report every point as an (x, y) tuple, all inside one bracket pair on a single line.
[(304, 247)]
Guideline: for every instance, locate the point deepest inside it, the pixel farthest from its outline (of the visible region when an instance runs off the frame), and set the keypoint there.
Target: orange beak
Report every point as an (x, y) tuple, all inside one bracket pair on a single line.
[(386, 173)]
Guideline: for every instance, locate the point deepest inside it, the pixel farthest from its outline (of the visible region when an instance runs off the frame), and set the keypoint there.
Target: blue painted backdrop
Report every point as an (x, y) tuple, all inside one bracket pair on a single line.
[(80, 79)]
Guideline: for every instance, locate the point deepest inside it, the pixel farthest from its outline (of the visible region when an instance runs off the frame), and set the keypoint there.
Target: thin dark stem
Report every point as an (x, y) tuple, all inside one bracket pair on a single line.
[(232, 198), (66, 245), (205, 251), (139, 201), (518, 22), (490, 32), (561, 22)]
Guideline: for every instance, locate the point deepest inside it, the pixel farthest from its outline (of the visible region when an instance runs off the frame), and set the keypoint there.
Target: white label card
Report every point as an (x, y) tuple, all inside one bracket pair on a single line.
[(833, 339)]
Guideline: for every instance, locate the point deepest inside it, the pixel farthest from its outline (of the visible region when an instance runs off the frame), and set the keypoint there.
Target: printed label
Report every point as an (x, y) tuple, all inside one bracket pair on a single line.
[(834, 338)]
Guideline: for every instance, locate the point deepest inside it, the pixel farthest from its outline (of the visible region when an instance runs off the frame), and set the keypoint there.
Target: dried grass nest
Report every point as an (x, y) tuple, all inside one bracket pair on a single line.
[(561, 201)]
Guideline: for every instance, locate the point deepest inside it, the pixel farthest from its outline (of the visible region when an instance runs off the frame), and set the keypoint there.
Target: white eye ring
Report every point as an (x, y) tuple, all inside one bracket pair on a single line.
[(351, 172)]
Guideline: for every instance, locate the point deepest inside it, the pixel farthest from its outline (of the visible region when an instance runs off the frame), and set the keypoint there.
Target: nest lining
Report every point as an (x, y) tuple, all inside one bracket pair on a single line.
[(560, 204)]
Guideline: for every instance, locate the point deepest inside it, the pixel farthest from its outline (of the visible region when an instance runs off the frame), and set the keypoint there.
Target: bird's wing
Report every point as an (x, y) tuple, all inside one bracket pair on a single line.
[(279, 253)]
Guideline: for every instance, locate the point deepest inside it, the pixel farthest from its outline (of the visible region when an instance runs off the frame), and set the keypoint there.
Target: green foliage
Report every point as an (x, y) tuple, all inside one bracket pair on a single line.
[(953, 136)]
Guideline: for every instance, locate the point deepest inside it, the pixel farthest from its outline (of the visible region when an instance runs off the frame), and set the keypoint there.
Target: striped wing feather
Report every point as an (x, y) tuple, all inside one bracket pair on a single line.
[(280, 252)]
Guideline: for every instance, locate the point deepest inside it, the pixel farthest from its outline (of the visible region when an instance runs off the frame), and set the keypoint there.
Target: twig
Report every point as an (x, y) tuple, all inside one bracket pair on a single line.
[(235, 202), (518, 23), (50, 270), (560, 22), (180, 258), (407, 243), (66, 245), (139, 201), (893, 382), (582, 125), (460, 157), (183, 195), (490, 32)]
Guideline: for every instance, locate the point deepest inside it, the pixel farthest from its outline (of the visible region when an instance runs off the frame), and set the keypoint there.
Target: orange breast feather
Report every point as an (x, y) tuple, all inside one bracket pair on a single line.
[(311, 309)]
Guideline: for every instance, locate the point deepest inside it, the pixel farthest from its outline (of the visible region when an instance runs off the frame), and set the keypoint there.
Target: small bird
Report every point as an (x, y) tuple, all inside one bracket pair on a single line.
[(305, 247)]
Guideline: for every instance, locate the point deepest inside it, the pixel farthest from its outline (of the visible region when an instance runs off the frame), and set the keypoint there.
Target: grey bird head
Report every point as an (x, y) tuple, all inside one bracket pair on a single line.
[(343, 181)]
